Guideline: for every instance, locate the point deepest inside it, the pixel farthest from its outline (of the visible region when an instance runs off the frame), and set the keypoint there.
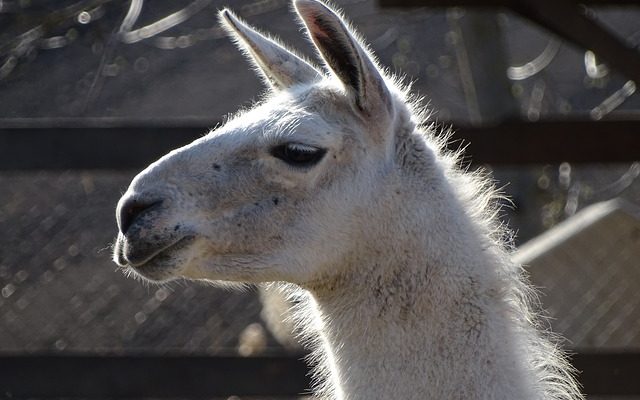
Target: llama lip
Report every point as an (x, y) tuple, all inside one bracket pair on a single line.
[(142, 260)]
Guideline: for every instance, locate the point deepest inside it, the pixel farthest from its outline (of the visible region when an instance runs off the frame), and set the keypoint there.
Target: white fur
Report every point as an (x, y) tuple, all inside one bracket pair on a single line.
[(401, 269)]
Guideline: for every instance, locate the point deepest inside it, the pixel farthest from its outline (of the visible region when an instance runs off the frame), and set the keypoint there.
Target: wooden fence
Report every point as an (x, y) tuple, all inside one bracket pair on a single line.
[(124, 144), (189, 376), (109, 144)]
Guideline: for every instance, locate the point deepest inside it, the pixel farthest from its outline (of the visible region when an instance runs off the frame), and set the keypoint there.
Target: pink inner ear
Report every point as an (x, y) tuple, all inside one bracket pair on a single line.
[(313, 19), (315, 26)]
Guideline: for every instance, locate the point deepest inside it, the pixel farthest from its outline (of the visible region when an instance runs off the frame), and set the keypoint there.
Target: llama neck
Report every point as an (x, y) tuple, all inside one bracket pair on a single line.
[(411, 323), (401, 343)]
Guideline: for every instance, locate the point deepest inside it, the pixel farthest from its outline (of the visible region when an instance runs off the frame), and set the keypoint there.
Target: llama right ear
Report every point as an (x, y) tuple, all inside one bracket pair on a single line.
[(280, 67), (347, 58)]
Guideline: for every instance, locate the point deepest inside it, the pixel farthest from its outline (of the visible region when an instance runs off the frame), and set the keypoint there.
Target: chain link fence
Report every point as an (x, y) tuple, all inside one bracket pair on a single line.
[(59, 290)]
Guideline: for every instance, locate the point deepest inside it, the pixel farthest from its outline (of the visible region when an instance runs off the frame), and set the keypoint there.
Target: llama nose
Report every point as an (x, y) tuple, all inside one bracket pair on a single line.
[(131, 209)]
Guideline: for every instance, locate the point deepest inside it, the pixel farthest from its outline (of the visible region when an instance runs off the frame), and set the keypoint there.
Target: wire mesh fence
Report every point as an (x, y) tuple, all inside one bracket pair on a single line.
[(59, 290), (103, 58), (587, 271)]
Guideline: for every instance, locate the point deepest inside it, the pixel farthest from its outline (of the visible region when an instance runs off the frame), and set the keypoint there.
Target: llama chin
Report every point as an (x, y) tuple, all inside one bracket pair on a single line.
[(336, 185)]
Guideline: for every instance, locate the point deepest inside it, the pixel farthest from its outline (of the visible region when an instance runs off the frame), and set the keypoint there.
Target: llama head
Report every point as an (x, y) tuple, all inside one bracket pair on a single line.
[(279, 191)]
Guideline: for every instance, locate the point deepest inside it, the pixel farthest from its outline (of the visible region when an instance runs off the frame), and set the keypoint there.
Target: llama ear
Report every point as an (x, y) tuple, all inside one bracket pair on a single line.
[(346, 57), (280, 67)]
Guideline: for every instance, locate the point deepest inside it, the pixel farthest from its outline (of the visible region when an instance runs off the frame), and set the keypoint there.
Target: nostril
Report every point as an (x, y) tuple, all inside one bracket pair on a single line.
[(130, 210)]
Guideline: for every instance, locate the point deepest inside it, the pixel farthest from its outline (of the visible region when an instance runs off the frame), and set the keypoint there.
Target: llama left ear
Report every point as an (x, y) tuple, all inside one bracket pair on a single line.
[(346, 58), (280, 67)]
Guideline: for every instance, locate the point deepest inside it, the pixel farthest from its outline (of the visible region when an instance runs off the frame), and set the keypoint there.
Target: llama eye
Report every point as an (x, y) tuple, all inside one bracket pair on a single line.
[(298, 155)]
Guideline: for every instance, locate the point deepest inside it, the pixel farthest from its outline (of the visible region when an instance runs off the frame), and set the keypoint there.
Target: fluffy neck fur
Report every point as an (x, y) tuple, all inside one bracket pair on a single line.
[(429, 307)]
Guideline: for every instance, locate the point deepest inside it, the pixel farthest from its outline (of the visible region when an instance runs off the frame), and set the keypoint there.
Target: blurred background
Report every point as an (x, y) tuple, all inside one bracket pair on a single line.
[(543, 93)]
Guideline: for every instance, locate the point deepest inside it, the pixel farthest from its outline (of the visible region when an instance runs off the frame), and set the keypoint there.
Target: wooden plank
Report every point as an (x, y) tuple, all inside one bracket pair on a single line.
[(608, 374), (190, 376), (135, 145), (481, 58), (488, 3), (518, 143), (129, 376), (89, 147)]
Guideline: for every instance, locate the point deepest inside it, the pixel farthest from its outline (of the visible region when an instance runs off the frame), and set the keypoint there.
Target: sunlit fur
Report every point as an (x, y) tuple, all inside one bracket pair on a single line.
[(395, 256)]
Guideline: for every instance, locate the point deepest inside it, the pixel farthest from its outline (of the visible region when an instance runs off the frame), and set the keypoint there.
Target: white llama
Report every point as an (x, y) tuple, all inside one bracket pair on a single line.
[(335, 185)]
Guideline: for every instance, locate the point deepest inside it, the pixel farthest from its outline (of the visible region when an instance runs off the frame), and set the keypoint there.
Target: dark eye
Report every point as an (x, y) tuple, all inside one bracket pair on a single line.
[(298, 155)]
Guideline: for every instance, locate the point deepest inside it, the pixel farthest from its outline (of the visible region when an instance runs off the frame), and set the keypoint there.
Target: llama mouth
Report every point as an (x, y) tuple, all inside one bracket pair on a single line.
[(159, 256)]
